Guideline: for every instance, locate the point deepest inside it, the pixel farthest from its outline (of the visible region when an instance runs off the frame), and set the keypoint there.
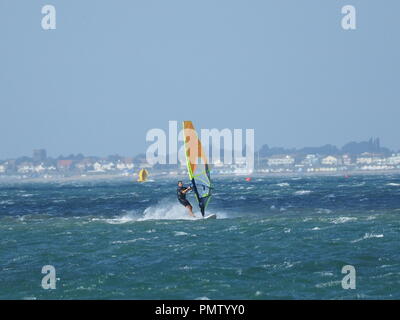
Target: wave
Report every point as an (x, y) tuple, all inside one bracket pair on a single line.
[(128, 217), (360, 184), (328, 284), (302, 192), (392, 184), (323, 210), (283, 184), (368, 236), (343, 220), (182, 233), (27, 195), (8, 202), (325, 273), (129, 241), (166, 210)]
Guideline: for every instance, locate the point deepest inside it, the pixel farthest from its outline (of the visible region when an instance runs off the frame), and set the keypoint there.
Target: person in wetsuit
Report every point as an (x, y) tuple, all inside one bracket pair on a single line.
[(181, 194)]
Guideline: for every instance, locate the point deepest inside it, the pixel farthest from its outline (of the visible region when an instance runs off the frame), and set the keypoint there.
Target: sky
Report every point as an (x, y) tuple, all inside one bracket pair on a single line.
[(112, 70)]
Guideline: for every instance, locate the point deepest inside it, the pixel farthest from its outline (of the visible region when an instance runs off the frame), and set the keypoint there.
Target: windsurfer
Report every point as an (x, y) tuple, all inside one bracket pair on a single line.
[(181, 193)]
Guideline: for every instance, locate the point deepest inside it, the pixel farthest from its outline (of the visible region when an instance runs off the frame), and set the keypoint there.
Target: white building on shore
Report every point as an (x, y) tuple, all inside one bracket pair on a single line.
[(330, 161), (394, 159), (371, 159), (124, 166), (346, 159), (310, 160), (281, 160)]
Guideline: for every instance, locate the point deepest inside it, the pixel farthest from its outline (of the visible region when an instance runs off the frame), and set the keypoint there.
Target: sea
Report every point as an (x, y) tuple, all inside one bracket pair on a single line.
[(287, 237)]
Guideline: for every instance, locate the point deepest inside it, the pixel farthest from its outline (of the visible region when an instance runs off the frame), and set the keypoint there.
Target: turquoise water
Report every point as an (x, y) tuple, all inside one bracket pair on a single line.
[(275, 238)]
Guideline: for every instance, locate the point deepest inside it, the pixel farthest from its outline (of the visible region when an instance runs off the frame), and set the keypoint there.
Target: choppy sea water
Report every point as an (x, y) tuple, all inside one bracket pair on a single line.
[(275, 238)]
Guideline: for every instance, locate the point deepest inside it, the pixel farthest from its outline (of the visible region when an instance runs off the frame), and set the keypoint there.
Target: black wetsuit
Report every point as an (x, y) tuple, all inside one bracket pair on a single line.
[(182, 196)]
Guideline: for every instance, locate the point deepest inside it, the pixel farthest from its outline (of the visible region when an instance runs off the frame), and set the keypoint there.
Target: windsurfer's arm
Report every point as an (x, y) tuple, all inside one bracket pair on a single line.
[(187, 189)]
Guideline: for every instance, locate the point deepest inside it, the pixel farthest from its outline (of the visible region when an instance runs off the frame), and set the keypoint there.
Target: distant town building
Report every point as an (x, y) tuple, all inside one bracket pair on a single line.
[(364, 160), (310, 160), (371, 159), (103, 166), (39, 155), (394, 159), (328, 169), (125, 164), (25, 167), (97, 167), (329, 161), (64, 164), (346, 159), (284, 160), (11, 165), (39, 168), (85, 164)]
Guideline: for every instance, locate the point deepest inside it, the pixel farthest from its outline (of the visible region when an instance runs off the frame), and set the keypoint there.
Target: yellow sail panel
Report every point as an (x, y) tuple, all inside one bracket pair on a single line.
[(143, 174)]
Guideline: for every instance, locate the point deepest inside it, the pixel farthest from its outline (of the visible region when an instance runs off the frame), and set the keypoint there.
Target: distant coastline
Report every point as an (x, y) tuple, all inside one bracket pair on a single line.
[(156, 176), (366, 157)]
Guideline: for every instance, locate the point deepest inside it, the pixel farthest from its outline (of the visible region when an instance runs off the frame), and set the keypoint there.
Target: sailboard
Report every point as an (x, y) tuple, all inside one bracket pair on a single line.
[(197, 166), (207, 217), (143, 174)]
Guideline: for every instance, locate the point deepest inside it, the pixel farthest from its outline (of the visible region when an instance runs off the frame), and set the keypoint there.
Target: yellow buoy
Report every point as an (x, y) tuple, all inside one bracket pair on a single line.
[(143, 174)]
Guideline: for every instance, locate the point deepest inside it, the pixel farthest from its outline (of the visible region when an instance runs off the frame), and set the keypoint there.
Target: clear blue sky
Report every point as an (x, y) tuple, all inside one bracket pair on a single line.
[(114, 69)]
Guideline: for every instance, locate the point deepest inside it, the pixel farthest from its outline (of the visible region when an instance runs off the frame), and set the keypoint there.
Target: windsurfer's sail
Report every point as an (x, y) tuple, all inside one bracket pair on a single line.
[(197, 165), (143, 174)]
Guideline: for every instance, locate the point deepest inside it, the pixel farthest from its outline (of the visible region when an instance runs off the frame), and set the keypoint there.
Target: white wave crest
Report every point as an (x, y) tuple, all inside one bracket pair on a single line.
[(127, 217), (283, 184), (129, 241), (165, 210), (368, 236), (328, 284), (181, 233), (343, 220), (302, 192), (323, 210)]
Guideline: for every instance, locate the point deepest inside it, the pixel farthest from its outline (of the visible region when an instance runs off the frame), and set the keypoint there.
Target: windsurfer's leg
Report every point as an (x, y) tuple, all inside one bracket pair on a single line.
[(190, 209)]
